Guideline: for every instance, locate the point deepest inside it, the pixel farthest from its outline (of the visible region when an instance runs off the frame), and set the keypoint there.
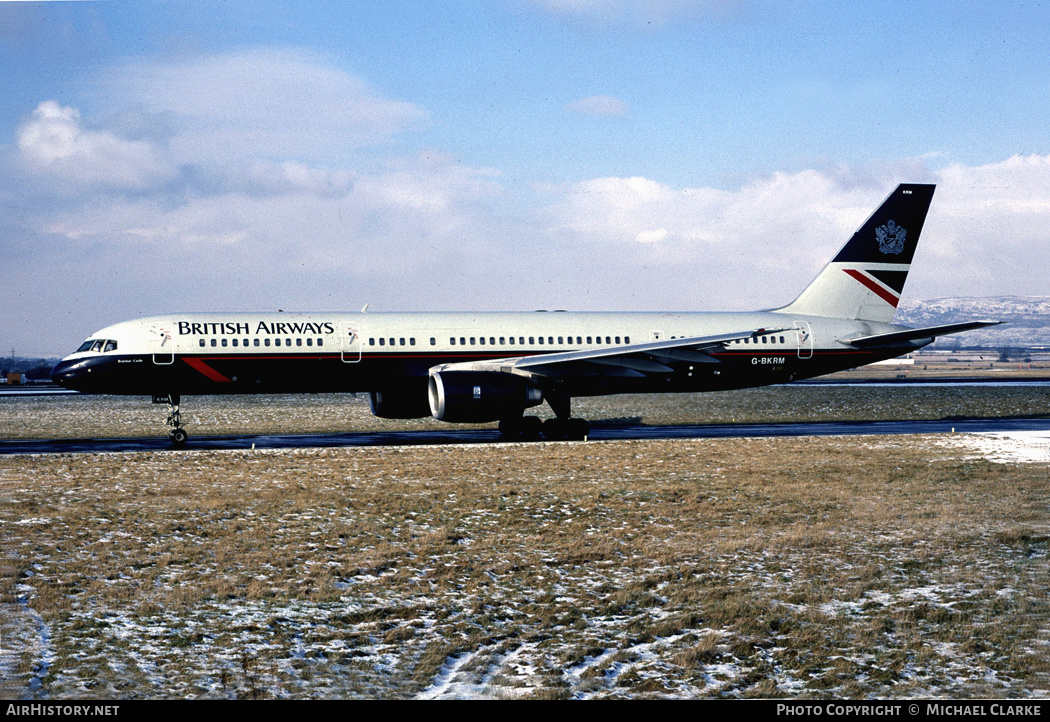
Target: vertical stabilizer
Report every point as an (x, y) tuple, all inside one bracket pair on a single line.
[(866, 278)]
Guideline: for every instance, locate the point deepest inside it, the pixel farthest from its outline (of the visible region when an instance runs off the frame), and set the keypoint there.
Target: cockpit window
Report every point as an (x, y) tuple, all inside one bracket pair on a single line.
[(100, 345)]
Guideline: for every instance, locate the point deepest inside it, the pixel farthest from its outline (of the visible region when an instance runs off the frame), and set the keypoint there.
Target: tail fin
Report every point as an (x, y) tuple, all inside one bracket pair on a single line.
[(865, 280)]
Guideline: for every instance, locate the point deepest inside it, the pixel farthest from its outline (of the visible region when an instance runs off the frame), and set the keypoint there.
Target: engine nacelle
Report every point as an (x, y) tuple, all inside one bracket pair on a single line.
[(480, 396), (399, 404)]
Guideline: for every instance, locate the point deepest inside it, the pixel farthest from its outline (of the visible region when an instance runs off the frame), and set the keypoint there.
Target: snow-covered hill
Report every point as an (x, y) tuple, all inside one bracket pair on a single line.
[(1027, 317)]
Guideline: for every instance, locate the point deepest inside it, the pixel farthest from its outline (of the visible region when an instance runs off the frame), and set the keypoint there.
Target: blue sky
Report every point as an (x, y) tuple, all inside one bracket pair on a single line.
[(507, 155)]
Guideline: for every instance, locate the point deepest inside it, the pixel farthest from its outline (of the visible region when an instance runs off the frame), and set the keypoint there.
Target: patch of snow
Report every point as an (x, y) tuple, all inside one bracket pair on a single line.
[(1005, 447)]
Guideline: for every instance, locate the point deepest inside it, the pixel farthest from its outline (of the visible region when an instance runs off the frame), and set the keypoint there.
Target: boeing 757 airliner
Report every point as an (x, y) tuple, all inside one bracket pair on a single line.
[(483, 367)]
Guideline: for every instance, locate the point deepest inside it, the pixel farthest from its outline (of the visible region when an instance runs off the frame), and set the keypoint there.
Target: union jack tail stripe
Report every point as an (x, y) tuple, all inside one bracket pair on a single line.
[(875, 285)]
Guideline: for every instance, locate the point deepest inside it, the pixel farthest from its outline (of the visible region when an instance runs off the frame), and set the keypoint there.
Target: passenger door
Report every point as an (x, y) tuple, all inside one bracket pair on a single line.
[(163, 343), (350, 343)]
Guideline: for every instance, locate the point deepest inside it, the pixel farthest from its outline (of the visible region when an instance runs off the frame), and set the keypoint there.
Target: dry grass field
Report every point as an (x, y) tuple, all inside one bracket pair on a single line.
[(801, 567), (847, 567)]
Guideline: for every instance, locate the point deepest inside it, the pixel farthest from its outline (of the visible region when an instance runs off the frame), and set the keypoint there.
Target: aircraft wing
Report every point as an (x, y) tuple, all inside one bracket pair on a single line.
[(632, 360), (911, 334)]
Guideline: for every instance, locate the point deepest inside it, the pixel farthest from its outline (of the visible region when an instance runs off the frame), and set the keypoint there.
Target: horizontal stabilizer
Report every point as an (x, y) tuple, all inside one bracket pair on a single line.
[(888, 339)]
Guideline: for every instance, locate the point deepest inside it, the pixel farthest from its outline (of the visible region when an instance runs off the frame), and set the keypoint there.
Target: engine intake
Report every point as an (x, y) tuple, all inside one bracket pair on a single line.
[(480, 396)]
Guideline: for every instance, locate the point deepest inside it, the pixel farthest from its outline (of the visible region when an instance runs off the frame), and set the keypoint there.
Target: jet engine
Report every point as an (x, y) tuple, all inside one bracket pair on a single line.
[(480, 396)]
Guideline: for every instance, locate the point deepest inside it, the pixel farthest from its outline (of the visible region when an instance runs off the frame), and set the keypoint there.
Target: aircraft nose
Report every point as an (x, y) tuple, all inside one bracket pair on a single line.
[(66, 373)]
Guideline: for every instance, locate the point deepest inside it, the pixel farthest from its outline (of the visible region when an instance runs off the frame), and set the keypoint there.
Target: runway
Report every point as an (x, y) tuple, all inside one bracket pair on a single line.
[(625, 432)]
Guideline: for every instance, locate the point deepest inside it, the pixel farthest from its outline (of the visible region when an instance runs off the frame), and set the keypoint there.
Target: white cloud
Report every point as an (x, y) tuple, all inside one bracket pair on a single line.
[(53, 143), (654, 236), (986, 232), (642, 13), (599, 105), (265, 102)]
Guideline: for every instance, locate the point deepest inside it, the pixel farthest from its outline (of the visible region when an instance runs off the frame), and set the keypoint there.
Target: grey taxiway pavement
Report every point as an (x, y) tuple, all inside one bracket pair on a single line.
[(482, 436)]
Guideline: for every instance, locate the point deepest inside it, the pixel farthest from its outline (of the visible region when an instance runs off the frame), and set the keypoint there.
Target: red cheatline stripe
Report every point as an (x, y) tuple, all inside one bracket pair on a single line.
[(207, 370), (874, 287)]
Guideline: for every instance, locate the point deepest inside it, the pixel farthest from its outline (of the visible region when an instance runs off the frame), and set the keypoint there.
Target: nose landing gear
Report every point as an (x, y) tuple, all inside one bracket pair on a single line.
[(177, 435)]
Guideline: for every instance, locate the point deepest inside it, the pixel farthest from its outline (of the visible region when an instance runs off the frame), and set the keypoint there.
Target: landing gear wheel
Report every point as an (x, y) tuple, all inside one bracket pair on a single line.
[(554, 430), (510, 428), (577, 429), (566, 429), (526, 428), (177, 435), (531, 427)]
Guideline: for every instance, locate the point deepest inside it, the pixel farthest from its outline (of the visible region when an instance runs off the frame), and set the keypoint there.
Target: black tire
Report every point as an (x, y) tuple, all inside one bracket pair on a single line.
[(510, 429), (531, 427), (577, 429), (554, 430), (178, 437)]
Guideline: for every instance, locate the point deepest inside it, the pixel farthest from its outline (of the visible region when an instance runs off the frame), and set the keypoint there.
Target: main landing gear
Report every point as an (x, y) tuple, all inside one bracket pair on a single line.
[(530, 428), (177, 435), (561, 428)]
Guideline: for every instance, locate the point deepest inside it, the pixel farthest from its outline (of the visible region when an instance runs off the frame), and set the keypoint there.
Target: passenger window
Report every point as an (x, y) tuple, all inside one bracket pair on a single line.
[(433, 341), (256, 342), (462, 341), (617, 339), (492, 340), (452, 341), (382, 342), (266, 342), (482, 340), (234, 342), (371, 342), (320, 342), (541, 340), (472, 340), (521, 340), (202, 343), (412, 341), (213, 343), (224, 342), (511, 340), (532, 340), (309, 342), (391, 342), (626, 339), (402, 341), (288, 342), (588, 339)]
